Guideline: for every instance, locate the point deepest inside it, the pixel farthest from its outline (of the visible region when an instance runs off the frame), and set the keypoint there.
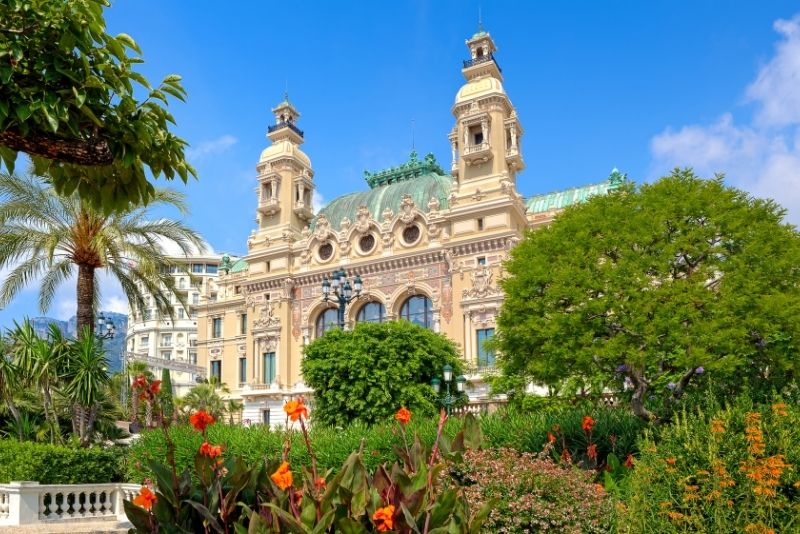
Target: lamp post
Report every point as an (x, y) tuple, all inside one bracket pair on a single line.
[(105, 328), (448, 399), (338, 289)]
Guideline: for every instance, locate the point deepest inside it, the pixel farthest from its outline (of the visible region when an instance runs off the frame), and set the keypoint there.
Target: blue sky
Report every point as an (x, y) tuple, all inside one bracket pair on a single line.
[(643, 86)]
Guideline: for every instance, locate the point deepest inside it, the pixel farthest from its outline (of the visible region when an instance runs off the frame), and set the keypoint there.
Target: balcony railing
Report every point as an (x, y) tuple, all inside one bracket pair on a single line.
[(480, 147), (161, 363), (285, 124), (483, 59)]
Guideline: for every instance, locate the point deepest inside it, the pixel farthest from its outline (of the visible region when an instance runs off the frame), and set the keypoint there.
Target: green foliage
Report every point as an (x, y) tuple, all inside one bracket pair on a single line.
[(54, 464), (264, 496), (68, 99), (615, 430), (532, 493), (367, 373), (165, 395), (675, 283), (732, 469)]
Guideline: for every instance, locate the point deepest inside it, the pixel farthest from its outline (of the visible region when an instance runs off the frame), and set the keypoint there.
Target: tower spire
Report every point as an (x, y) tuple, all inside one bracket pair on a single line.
[(480, 19)]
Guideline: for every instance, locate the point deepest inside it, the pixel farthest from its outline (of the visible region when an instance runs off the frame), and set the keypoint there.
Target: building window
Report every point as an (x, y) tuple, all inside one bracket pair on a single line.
[(267, 267), (480, 224), (166, 340), (482, 260), (211, 269), (485, 357), (166, 354), (197, 268), (216, 371), (181, 313), (269, 368), (182, 283), (216, 327), (327, 320), (367, 243), (144, 341), (265, 417), (242, 370), (418, 310), (325, 251), (371, 312), (195, 298), (243, 323), (193, 358)]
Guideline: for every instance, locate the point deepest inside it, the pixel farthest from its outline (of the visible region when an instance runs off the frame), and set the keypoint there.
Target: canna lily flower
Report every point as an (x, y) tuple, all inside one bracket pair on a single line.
[(403, 415), (629, 461), (320, 483), (295, 409), (212, 451), (145, 499), (384, 518), (591, 451), (155, 387), (201, 419), (587, 424), (551, 438), (283, 476)]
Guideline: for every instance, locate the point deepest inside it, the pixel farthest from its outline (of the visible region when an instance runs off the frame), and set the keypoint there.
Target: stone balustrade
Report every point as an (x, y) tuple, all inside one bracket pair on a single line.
[(31, 503)]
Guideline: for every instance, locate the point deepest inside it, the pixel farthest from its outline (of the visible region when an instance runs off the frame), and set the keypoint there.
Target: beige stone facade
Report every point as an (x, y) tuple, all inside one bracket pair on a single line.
[(429, 246)]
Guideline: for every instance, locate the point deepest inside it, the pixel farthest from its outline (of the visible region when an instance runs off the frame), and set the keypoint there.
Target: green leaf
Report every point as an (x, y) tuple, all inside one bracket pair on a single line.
[(23, 112)]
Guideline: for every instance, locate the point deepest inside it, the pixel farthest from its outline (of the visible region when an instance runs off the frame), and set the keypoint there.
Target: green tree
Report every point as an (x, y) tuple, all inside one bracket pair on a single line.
[(368, 373), (9, 382), (676, 281), (86, 380), (167, 401), (68, 99), (206, 396), (49, 235)]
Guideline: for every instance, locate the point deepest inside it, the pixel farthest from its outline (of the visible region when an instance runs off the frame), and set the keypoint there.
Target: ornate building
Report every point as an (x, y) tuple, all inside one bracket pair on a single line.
[(428, 245)]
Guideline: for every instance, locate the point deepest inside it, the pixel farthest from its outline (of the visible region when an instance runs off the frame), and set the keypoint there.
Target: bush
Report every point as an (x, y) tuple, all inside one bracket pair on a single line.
[(532, 493), (364, 374), (525, 432), (54, 464), (720, 470)]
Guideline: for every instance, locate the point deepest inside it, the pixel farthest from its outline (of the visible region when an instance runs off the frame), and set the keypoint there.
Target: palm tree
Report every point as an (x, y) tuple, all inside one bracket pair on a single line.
[(205, 396), (134, 370), (9, 380), (46, 235), (87, 379)]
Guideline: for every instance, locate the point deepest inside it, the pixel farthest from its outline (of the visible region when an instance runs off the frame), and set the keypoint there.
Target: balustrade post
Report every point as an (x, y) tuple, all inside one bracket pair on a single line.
[(23, 502)]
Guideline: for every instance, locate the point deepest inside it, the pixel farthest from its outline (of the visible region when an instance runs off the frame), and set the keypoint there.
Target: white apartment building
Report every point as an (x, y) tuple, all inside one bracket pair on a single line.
[(171, 343)]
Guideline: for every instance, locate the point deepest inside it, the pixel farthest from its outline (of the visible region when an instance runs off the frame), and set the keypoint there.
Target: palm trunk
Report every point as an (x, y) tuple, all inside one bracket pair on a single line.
[(148, 414), (15, 414), (134, 406), (85, 299), (50, 414), (89, 431)]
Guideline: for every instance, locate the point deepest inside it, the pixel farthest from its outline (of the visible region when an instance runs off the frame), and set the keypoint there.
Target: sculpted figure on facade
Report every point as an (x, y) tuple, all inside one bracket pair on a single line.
[(481, 284), (407, 206)]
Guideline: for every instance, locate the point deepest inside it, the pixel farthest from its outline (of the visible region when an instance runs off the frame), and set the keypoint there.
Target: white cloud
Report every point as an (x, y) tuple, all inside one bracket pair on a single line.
[(762, 157), (210, 148), (317, 201)]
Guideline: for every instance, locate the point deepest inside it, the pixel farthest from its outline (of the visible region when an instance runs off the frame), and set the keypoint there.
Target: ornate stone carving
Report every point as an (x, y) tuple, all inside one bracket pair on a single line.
[(433, 204), (481, 284), (387, 215), (433, 230), (323, 228), (407, 206), (306, 232), (447, 301), (345, 225), (296, 320), (478, 195), (266, 318), (362, 220)]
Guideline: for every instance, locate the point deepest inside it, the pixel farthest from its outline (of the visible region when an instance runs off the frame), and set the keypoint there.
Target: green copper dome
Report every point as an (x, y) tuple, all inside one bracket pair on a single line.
[(239, 266), (561, 199), (421, 188)]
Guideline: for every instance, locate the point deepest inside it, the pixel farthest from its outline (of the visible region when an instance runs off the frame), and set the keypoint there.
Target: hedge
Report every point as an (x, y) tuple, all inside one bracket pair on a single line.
[(55, 464), (525, 432)]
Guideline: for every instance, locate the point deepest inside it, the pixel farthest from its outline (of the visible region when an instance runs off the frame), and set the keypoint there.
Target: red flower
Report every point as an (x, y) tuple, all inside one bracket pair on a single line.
[(591, 451), (200, 420), (320, 483), (139, 382), (384, 518), (295, 409), (212, 451), (566, 457), (145, 499), (629, 461), (551, 438), (587, 424), (403, 415), (155, 387)]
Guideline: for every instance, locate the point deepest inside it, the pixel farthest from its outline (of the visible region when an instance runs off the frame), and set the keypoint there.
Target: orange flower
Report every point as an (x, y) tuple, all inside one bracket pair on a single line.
[(629, 461), (384, 518), (320, 483), (155, 387), (566, 457), (145, 499), (212, 451), (403, 415), (671, 461), (295, 409), (587, 424), (283, 476), (779, 409), (200, 420), (551, 438), (591, 451), (717, 426)]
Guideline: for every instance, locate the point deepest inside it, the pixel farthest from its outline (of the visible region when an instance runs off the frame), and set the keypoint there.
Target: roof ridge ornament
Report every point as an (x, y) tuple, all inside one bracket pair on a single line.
[(616, 178), (405, 171)]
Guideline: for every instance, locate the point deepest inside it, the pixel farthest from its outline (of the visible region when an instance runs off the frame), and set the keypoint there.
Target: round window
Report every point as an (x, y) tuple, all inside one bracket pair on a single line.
[(366, 243), (411, 234), (325, 251)]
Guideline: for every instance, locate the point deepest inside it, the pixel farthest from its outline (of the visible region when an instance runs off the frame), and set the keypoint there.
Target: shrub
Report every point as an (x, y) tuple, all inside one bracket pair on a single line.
[(724, 470), (532, 493), (55, 464)]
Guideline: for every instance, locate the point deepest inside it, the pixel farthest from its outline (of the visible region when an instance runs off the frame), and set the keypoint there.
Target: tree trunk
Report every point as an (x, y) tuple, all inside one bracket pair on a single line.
[(86, 438), (50, 414), (134, 405), (85, 299), (93, 152), (15, 414), (637, 400), (148, 414)]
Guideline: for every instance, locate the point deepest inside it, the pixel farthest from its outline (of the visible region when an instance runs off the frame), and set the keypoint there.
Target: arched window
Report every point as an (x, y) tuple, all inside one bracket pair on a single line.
[(419, 310), (182, 283), (371, 312), (327, 320)]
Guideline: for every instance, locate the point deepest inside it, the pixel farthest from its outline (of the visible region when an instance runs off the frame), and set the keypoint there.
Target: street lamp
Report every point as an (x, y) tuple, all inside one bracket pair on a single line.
[(338, 289), (448, 399), (105, 328)]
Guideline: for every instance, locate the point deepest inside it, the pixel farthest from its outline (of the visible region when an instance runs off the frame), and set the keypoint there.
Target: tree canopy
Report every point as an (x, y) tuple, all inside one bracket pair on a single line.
[(367, 373), (69, 99), (654, 288)]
